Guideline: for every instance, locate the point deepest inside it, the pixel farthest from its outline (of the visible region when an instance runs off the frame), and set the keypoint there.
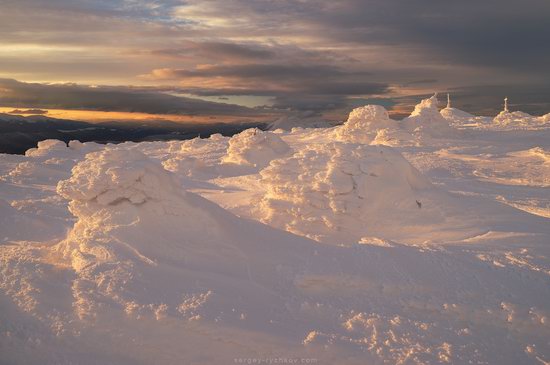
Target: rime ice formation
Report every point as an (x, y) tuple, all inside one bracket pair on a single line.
[(144, 246), (197, 158), (304, 244), (256, 148), (343, 192), (110, 177), (508, 119), (426, 121), (372, 124)]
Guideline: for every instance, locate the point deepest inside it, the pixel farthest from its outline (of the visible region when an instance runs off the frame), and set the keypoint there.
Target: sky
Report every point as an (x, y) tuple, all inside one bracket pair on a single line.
[(236, 60)]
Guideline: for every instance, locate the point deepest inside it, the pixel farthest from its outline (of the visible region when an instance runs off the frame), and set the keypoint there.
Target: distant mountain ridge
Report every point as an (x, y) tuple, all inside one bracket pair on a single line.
[(19, 133)]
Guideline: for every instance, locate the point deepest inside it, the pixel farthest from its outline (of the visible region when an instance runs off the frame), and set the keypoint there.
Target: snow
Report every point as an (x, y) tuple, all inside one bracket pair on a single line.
[(254, 147), (338, 193), (372, 124), (286, 123), (453, 113), (426, 121), (422, 241)]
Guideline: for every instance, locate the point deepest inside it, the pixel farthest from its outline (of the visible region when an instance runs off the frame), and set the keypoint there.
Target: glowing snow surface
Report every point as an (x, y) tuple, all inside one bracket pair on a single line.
[(421, 241)]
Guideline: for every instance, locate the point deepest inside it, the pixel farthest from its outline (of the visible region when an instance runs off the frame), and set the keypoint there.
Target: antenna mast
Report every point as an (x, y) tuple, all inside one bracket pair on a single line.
[(448, 100), (506, 104)]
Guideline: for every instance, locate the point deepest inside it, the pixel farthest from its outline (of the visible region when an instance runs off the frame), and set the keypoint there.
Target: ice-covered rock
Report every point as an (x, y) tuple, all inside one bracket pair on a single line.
[(256, 148)]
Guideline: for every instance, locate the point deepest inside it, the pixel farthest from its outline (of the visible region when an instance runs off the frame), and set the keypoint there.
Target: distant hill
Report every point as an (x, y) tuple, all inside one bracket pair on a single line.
[(18, 133)]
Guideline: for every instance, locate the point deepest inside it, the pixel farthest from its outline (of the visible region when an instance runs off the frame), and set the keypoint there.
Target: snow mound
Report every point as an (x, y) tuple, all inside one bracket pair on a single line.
[(113, 176), (507, 120), (455, 114), (343, 192), (372, 124), (142, 243), (46, 147), (427, 121), (57, 148), (256, 148), (50, 161), (197, 158)]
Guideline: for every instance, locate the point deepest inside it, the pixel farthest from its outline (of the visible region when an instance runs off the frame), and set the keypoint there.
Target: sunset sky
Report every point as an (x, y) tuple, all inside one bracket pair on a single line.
[(234, 60)]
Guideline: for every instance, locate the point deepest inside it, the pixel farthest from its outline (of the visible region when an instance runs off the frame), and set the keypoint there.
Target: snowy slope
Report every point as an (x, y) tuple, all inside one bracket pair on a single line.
[(423, 241)]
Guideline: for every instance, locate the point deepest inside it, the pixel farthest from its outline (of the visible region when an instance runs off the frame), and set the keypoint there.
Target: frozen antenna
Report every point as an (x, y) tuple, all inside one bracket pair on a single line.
[(448, 100), (506, 104)]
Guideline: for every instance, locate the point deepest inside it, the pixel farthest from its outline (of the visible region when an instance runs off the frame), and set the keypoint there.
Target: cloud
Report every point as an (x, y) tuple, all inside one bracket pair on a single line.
[(299, 53), (251, 79), (28, 111), (223, 51), (110, 98)]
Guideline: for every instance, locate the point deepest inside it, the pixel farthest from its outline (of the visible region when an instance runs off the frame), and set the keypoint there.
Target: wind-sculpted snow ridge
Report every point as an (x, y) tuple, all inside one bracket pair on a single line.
[(371, 124), (341, 193), (256, 148)]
